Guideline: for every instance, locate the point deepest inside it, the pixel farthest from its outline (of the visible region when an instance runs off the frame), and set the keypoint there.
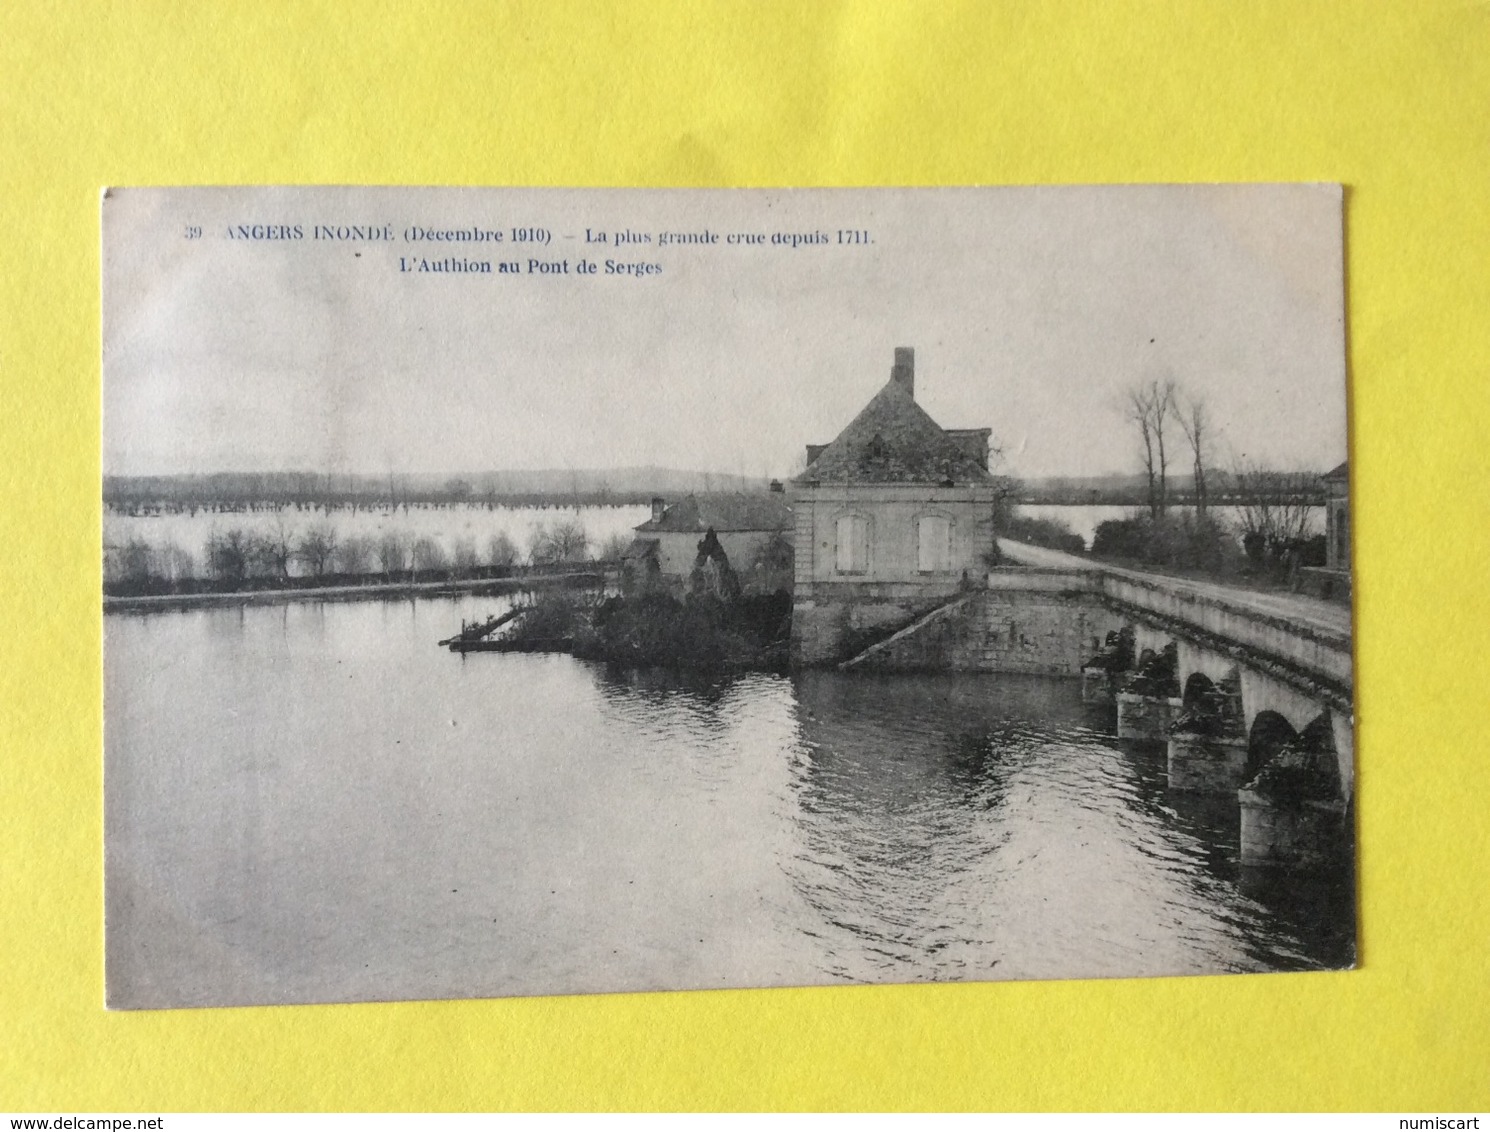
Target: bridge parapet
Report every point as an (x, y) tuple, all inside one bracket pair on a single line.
[(1316, 651), (1044, 579), (1306, 642)]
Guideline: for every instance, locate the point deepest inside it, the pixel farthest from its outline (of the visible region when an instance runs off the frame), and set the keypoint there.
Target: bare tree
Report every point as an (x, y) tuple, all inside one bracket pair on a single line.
[(501, 551), (261, 556), (277, 549), (539, 549), (134, 562), (392, 552), (464, 557), (1161, 396), (228, 555), (1274, 508), (354, 554), (569, 540), (1195, 421), (565, 541), (613, 548), (1148, 406), (175, 564), (1139, 407), (318, 546), (426, 554)]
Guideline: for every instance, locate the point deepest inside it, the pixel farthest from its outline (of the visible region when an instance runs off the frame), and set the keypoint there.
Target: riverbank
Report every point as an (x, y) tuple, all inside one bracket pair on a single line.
[(369, 591), (701, 633)]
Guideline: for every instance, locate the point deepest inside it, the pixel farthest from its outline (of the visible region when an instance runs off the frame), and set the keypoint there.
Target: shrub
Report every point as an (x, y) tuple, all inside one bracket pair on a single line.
[(1186, 541), (354, 555), (317, 547), (1050, 533), (1121, 538), (464, 556), (392, 553), (427, 554), (228, 556), (501, 551), (565, 541), (656, 628), (613, 548)]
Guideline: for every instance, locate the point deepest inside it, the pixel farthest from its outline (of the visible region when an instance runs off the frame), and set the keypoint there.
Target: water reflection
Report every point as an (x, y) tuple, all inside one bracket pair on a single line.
[(951, 826), (312, 802)]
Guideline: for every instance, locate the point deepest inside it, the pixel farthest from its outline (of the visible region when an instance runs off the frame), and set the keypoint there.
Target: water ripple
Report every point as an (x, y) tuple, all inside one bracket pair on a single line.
[(345, 812)]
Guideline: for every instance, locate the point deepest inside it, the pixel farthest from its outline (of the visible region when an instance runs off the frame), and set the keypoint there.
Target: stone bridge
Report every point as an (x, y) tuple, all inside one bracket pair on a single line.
[(1235, 682)]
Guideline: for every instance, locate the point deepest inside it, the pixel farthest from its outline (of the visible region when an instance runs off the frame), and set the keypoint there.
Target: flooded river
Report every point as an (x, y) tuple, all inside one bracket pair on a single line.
[(311, 802)]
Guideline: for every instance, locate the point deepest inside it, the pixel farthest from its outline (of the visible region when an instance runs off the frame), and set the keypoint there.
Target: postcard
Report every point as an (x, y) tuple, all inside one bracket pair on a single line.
[(529, 592)]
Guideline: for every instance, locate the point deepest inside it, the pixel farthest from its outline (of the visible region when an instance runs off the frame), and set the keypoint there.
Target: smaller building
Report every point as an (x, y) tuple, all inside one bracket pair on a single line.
[(1337, 517), (666, 545)]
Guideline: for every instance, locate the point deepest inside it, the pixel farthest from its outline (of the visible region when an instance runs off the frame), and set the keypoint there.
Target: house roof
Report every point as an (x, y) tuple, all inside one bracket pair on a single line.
[(738, 511), (1340, 473), (894, 440), (640, 548)]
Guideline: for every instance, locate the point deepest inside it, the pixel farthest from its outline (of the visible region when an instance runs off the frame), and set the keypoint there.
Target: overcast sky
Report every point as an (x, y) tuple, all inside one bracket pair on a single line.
[(1030, 310)]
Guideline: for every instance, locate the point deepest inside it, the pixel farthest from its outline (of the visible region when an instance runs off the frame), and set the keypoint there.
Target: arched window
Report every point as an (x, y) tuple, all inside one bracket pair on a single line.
[(851, 553), (933, 544)]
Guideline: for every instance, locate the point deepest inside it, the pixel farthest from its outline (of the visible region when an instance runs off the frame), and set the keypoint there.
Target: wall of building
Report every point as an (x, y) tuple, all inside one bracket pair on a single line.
[(844, 617), (1037, 629), (1337, 533), (891, 511), (834, 614)]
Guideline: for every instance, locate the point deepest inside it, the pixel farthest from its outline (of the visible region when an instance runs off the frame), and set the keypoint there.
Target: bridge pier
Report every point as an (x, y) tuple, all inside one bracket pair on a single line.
[(1146, 718), (1101, 675), (1149, 703), (1208, 744), (1096, 685), (1308, 837), (1203, 764), (1294, 813)]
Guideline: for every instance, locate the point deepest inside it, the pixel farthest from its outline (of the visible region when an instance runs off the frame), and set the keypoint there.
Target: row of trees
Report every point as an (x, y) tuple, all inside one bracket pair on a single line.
[(235, 556), (1155, 407), (1273, 509), (139, 502)]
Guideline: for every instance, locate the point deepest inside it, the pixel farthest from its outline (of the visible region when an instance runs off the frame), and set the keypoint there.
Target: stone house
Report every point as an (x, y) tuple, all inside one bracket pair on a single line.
[(1337, 517), (666, 545), (893, 517)]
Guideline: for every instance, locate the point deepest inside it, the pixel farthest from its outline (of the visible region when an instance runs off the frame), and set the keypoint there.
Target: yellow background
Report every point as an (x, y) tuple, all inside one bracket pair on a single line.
[(1391, 98)]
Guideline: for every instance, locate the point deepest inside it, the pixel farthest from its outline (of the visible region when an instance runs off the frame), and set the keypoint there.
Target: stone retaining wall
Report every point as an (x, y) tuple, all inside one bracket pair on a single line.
[(1037, 630)]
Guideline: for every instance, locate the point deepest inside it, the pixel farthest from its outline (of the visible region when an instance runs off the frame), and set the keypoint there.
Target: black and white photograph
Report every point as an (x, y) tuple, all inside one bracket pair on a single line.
[(567, 591)]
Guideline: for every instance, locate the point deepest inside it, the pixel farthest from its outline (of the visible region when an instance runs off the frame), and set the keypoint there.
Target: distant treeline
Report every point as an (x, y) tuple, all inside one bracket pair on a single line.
[(248, 491), (1223, 489), (320, 554), (137, 499)]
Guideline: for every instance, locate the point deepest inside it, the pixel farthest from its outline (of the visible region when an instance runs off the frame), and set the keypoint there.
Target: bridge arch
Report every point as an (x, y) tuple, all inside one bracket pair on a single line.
[(1198, 687), (1270, 733)]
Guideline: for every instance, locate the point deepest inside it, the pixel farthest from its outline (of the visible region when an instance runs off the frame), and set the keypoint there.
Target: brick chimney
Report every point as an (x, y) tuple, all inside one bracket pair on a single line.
[(658, 507), (904, 370)]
